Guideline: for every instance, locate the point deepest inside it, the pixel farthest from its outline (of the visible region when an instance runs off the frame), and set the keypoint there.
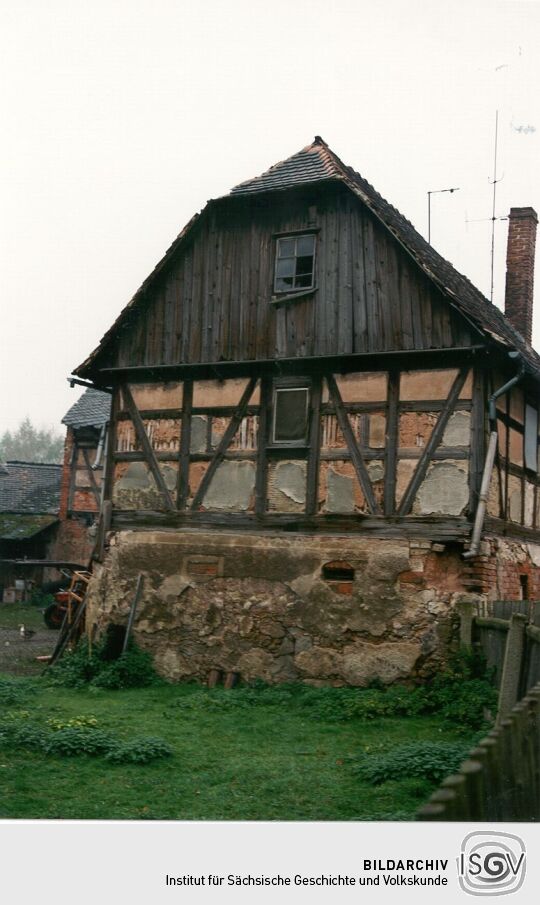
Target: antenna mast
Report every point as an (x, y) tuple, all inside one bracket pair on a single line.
[(493, 217)]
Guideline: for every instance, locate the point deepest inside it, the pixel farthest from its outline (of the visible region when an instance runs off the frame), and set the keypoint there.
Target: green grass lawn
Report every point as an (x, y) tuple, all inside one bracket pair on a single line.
[(264, 760), (12, 615)]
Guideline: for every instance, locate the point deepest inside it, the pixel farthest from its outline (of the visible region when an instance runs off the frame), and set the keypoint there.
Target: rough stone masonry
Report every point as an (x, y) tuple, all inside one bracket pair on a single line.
[(270, 608)]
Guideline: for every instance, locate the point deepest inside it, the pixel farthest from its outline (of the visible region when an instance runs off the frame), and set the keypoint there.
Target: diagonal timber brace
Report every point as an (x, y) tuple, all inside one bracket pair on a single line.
[(91, 477), (142, 437), (354, 450), (224, 443), (433, 442)]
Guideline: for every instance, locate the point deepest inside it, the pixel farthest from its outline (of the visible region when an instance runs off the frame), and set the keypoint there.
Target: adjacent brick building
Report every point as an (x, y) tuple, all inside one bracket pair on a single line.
[(82, 469)]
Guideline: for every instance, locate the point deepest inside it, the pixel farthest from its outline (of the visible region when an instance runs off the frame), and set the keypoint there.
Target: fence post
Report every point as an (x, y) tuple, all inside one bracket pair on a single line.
[(523, 779), (533, 747), (456, 784), (490, 744), (473, 771), (508, 694)]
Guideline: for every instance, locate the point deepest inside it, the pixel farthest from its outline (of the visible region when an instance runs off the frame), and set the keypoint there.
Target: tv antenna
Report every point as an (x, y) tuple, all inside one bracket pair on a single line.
[(493, 218), (429, 194), (494, 183)]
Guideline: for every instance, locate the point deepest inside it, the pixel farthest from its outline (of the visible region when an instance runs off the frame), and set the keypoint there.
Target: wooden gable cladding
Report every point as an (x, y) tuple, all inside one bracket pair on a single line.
[(215, 301)]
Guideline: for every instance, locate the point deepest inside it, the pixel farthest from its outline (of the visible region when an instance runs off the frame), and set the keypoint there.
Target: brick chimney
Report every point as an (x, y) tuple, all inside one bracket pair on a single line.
[(518, 301)]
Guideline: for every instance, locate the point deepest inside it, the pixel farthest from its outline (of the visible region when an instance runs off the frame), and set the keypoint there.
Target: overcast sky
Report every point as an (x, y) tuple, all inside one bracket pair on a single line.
[(120, 119)]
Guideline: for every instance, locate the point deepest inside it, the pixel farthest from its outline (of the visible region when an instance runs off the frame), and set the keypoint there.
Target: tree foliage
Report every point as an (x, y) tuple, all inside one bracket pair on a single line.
[(30, 444)]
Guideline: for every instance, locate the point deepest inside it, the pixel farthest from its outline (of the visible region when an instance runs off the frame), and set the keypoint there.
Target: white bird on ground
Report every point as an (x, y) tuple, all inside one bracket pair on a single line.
[(26, 633)]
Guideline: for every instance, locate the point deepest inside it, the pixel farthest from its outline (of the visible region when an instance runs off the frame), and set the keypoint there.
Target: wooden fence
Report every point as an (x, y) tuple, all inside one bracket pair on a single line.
[(489, 631), (500, 780)]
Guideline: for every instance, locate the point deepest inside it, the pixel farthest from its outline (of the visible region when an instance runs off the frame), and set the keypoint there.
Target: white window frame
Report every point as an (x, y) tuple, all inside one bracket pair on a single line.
[(290, 290)]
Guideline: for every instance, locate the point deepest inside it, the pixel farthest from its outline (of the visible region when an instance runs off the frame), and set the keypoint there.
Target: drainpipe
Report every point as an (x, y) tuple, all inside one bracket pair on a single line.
[(104, 473), (490, 458), (99, 451)]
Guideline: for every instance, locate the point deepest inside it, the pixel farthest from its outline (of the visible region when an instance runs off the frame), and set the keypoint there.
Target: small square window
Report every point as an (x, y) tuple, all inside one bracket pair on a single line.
[(290, 415), (295, 263)]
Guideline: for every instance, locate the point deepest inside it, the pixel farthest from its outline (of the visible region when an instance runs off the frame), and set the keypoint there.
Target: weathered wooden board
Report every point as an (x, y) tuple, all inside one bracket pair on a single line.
[(214, 302)]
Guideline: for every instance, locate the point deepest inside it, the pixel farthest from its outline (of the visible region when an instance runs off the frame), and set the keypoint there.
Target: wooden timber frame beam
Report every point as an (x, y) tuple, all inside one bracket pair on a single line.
[(142, 437), (262, 442), (91, 476), (312, 485), (72, 474), (354, 450), (185, 440), (432, 444), (478, 438), (392, 442), (110, 448), (224, 443)]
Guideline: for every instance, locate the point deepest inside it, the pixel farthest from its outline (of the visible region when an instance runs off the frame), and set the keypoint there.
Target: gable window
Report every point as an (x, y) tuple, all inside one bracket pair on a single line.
[(295, 263), (290, 425)]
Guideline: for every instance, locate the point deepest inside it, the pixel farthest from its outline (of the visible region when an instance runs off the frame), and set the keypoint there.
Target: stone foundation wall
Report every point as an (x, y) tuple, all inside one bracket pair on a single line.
[(275, 608), (323, 610)]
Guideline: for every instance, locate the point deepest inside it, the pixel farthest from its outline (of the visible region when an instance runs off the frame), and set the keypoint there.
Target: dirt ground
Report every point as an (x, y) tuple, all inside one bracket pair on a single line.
[(18, 655)]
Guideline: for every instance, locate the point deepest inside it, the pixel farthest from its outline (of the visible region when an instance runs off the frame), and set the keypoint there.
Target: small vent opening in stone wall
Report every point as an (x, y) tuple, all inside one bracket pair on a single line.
[(339, 575)]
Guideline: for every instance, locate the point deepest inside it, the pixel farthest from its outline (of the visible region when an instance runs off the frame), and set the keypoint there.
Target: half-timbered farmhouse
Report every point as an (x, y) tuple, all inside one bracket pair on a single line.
[(322, 437)]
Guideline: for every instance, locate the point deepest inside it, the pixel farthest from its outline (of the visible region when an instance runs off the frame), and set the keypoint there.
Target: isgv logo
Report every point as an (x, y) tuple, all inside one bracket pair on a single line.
[(491, 864)]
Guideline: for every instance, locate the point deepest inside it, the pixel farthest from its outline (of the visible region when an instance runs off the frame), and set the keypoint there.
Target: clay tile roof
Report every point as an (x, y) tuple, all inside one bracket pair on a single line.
[(30, 487), (21, 527), (92, 409), (311, 164)]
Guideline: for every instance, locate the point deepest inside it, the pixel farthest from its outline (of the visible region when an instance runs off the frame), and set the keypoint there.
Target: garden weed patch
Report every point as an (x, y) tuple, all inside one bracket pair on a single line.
[(190, 753)]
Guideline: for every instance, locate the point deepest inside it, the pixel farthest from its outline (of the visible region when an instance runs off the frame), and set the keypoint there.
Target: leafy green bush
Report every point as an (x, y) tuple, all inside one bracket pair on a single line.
[(14, 692), (134, 669), (462, 695), (18, 730), (29, 736), (73, 741), (466, 664), (139, 751), (430, 761), (465, 705), (371, 704), (16, 716), (76, 669), (79, 668)]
